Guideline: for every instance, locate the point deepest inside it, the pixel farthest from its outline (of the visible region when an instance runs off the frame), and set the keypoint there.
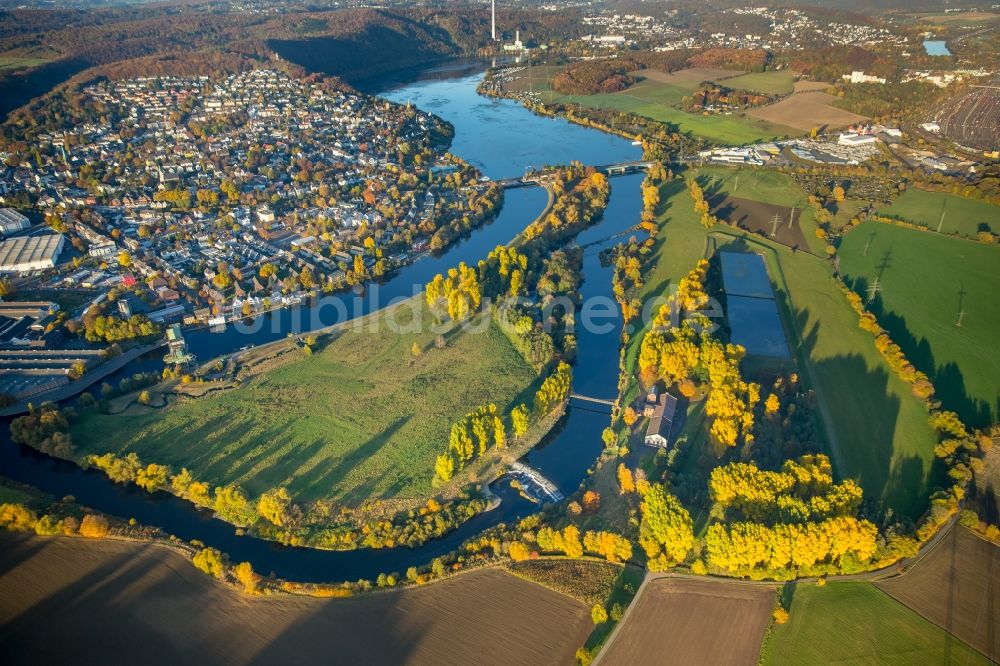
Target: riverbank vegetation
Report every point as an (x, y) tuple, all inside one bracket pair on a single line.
[(534, 263)]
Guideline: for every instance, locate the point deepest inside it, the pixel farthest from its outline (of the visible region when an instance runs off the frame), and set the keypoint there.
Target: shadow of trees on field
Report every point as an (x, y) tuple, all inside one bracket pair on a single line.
[(326, 477), (133, 603), (948, 379), (864, 415)]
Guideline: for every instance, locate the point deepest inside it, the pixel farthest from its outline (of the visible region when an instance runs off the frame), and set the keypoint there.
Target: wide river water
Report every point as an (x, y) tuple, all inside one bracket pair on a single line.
[(502, 139)]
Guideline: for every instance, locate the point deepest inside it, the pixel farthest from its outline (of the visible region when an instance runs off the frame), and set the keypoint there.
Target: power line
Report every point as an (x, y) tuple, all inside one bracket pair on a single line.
[(873, 290)]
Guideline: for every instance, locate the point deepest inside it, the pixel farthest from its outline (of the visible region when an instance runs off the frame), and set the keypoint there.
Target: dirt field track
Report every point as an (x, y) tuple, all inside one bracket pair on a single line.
[(806, 108), (957, 587), (693, 622), (66, 601)]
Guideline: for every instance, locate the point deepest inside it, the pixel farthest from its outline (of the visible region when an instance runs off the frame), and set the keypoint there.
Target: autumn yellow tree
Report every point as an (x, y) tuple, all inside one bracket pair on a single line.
[(247, 577), (572, 545), (625, 480), (666, 532), (519, 551), (94, 526)]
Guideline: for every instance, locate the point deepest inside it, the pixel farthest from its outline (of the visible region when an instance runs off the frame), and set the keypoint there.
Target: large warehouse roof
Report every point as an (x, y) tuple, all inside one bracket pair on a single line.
[(23, 254)]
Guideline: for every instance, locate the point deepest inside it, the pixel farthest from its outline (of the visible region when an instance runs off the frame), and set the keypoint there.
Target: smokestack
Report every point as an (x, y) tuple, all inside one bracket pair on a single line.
[(493, 19)]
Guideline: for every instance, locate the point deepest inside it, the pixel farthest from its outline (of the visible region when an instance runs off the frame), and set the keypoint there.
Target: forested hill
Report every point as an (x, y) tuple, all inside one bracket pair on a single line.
[(353, 44), (359, 45)]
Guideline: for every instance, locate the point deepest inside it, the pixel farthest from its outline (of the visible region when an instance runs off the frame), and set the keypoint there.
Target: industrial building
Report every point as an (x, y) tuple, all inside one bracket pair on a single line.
[(11, 221), (29, 254)]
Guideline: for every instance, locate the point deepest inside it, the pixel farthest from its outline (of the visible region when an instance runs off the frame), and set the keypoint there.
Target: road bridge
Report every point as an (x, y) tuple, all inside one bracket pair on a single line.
[(537, 179)]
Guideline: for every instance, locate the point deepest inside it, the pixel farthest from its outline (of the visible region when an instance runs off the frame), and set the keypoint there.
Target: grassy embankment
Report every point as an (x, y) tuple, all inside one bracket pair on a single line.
[(877, 431), (858, 623), (954, 214), (656, 99), (362, 418), (920, 306)]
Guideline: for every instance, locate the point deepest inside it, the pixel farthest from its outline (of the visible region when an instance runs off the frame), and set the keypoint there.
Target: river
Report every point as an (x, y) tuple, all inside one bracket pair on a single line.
[(502, 139)]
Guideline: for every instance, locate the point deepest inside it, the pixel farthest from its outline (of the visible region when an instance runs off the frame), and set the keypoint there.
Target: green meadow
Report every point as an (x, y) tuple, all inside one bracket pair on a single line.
[(856, 623), (952, 213), (772, 83), (921, 305), (362, 418), (658, 100)]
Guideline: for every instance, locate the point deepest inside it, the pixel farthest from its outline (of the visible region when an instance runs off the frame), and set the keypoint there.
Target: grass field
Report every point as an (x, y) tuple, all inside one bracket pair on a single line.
[(693, 622), (920, 308), (655, 97), (960, 19), (960, 215), (858, 624), (17, 62), (771, 83), (956, 587), (361, 419), (100, 602), (877, 430)]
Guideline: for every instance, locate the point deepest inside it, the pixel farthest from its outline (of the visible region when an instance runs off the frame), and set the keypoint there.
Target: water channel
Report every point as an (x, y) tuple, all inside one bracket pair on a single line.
[(502, 139)]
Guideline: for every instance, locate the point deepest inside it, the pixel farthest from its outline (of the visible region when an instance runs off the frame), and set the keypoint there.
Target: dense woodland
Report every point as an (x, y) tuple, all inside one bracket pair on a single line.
[(595, 76)]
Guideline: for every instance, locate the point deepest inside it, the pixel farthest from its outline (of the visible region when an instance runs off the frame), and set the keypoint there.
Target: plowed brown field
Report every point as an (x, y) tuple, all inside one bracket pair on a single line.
[(72, 601), (806, 108), (677, 621), (957, 587)]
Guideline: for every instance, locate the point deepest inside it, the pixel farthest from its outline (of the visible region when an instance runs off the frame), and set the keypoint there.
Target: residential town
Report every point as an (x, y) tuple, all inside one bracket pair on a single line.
[(257, 185), (205, 200)]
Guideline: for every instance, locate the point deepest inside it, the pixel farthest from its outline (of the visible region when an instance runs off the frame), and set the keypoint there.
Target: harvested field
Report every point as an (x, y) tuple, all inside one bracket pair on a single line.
[(810, 86), (957, 587), (779, 223), (806, 108), (694, 622), (100, 602)]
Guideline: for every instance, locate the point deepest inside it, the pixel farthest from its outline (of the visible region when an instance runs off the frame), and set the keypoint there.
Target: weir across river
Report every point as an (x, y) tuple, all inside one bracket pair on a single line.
[(533, 480)]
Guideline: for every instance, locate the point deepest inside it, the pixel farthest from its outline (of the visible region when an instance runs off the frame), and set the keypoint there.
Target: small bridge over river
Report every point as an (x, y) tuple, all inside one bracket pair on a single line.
[(588, 398), (538, 178)]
